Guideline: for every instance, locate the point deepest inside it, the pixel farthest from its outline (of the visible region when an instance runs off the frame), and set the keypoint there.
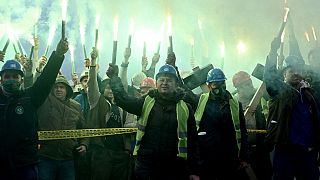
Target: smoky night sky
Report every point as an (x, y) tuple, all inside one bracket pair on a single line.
[(209, 23)]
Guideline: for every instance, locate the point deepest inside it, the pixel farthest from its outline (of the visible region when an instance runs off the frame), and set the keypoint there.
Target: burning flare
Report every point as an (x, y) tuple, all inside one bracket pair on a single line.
[(115, 28)]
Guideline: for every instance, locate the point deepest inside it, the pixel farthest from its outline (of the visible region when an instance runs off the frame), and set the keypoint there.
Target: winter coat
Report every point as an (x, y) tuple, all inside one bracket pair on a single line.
[(18, 119), (55, 114)]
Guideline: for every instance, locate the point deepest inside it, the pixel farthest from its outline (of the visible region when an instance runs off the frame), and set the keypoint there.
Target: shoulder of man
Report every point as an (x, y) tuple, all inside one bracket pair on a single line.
[(74, 104)]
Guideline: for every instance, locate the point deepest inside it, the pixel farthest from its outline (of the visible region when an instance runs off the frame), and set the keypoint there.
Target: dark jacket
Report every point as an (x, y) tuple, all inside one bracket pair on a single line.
[(160, 139), (219, 144), (283, 99), (18, 120), (55, 114)]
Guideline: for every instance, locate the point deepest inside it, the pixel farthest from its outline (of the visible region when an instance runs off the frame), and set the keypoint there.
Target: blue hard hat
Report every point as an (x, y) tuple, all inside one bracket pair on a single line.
[(12, 65), (215, 75), (167, 69)]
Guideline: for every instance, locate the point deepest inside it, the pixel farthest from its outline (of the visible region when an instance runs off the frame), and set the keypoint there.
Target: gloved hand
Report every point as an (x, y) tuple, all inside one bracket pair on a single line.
[(275, 44), (62, 47), (112, 71), (171, 59)]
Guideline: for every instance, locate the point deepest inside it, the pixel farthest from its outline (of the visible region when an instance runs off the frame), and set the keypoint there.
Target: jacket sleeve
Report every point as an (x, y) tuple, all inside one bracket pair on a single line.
[(93, 89), (99, 79), (124, 77), (244, 149), (42, 87), (272, 77), (150, 72), (128, 103), (193, 153), (36, 75), (28, 81)]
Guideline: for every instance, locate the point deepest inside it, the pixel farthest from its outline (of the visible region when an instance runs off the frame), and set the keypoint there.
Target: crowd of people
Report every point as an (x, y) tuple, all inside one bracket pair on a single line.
[(180, 134)]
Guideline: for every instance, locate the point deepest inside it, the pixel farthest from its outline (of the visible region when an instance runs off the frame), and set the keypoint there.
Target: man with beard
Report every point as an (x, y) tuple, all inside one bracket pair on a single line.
[(293, 122)]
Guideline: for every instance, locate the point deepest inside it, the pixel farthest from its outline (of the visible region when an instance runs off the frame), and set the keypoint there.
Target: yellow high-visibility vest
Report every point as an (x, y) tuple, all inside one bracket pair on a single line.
[(234, 108), (182, 118)]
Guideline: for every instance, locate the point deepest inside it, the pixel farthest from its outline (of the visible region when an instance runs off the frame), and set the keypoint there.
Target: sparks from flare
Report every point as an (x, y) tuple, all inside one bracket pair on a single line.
[(283, 35), (222, 49), (52, 31), (200, 24), (286, 14), (82, 33), (64, 5), (97, 21), (307, 36), (115, 28), (71, 48), (169, 25), (131, 28), (314, 33)]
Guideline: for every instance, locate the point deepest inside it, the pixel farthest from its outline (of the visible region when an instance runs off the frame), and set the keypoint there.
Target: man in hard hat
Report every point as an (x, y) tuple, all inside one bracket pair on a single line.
[(18, 129), (259, 156), (146, 84), (166, 137), (221, 130)]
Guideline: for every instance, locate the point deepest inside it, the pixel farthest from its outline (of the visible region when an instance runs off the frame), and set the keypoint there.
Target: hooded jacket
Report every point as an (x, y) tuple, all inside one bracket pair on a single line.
[(55, 114)]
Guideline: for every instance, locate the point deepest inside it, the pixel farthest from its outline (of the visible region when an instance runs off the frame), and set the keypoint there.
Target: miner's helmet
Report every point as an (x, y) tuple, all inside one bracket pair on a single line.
[(12, 65), (84, 74), (167, 70), (137, 79), (148, 83), (215, 75)]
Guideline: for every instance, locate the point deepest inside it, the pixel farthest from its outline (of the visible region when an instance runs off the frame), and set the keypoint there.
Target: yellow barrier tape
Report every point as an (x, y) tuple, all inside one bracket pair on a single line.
[(82, 133), (86, 133), (258, 131)]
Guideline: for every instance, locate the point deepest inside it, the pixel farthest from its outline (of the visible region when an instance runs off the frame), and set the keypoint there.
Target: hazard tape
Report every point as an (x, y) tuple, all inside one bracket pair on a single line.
[(257, 131), (82, 133), (87, 133)]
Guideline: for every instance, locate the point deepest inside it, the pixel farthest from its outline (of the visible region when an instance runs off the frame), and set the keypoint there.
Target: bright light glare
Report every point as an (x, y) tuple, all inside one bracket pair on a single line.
[(241, 47)]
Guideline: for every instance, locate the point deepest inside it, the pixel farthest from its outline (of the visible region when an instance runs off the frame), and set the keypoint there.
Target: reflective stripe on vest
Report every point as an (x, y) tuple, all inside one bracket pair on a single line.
[(234, 108), (182, 118)]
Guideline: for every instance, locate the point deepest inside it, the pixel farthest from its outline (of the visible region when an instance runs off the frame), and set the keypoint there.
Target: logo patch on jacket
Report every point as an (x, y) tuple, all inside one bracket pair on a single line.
[(19, 110)]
